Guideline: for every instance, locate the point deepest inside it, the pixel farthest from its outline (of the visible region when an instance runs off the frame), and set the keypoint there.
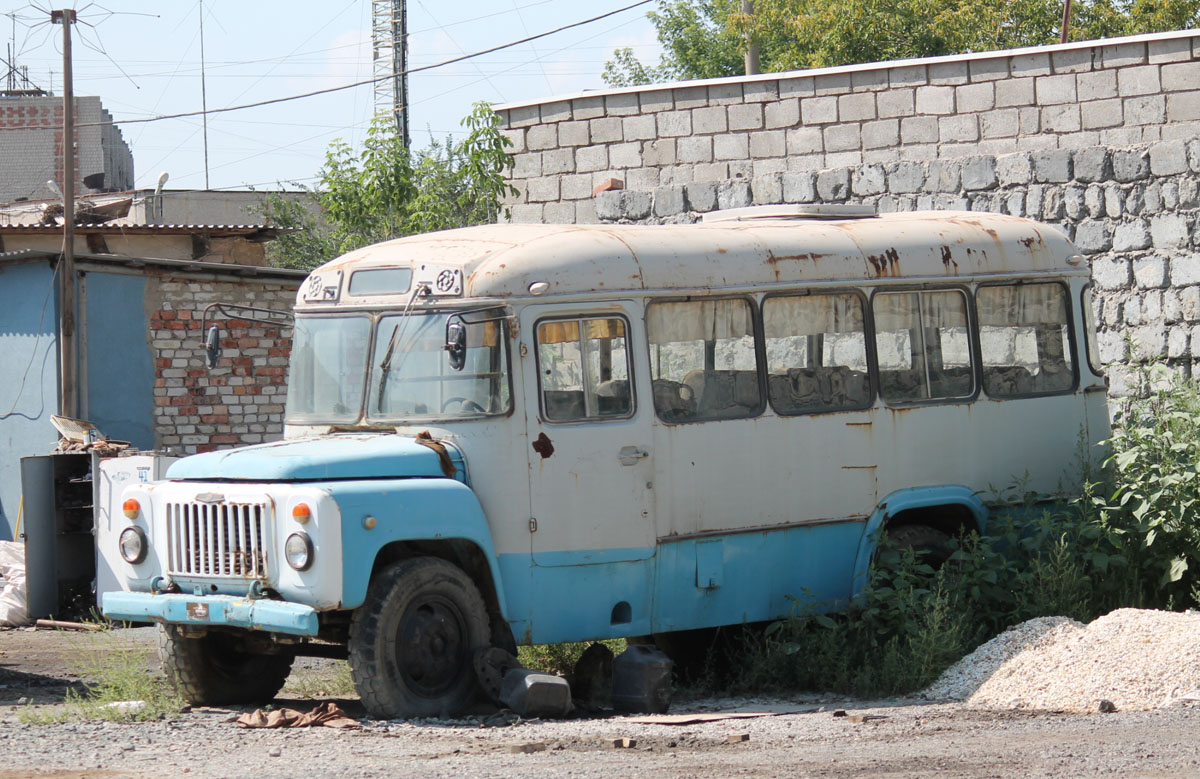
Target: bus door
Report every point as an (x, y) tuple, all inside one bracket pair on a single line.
[(590, 467)]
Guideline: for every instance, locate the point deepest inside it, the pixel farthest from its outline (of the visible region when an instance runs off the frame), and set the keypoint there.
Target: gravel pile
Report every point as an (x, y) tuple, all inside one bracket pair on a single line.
[(1135, 659)]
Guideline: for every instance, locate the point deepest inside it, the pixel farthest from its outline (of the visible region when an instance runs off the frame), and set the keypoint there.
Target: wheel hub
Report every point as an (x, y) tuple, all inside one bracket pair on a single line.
[(430, 646)]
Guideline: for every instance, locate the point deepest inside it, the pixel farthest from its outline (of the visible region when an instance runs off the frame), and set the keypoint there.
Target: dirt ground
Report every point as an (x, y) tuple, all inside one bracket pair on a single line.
[(801, 737)]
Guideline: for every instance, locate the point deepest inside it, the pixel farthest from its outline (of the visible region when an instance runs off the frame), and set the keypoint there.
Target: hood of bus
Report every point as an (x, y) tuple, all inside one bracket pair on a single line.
[(336, 456)]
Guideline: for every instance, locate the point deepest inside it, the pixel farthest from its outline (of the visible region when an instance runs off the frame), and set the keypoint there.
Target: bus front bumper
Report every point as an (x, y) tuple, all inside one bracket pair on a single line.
[(274, 616)]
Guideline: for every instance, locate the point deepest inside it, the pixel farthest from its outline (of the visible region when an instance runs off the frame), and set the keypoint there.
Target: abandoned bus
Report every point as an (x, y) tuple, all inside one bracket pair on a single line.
[(541, 433)]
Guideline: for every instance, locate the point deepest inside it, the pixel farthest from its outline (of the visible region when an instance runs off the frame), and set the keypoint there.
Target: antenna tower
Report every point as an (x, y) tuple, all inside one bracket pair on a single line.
[(389, 54)]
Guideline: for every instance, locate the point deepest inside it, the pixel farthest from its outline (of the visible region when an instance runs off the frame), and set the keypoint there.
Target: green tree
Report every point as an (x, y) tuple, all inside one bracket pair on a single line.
[(386, 191), (706, 38)]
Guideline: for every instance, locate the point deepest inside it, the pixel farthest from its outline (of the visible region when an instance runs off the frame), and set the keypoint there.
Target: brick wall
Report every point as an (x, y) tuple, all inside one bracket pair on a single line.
[(240, 401), (1101, 139), (31, 152)]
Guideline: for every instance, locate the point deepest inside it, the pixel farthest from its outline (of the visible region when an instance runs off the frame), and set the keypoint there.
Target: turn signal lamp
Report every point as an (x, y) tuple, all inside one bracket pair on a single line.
[(131, 508), (302, 513)]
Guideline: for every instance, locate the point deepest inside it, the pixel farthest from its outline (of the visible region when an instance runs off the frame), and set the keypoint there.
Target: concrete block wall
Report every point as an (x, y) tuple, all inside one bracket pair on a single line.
[(31, 152), (241, 401), (1101, 139)]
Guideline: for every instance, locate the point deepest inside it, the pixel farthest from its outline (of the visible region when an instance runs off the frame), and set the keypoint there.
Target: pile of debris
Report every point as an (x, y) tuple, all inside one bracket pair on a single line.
[(1129, 659)]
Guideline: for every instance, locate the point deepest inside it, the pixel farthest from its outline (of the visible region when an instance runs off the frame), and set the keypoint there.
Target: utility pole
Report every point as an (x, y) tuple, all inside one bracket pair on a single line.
[(389, 45), (203, 96), (68, 405), (752, 65), (1066, 22)]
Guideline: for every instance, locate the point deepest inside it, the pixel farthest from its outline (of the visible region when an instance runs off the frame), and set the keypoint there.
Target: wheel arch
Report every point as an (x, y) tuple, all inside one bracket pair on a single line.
[(950, 508)]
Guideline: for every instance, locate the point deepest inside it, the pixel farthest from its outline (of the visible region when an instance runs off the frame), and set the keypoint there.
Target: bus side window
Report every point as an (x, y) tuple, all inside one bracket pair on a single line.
[(923, 345), (703, 361), (583, 369), (1025, 341), (816, 353)]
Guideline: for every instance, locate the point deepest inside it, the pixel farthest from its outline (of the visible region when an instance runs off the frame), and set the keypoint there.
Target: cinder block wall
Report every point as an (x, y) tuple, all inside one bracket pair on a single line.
[(1101, 139), (31, 147)]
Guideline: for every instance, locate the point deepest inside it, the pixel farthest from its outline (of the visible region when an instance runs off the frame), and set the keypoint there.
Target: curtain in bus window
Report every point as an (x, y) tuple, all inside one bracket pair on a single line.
[(583, 369), (1024, 338), (923, 345), (703, 360), (816, 353)]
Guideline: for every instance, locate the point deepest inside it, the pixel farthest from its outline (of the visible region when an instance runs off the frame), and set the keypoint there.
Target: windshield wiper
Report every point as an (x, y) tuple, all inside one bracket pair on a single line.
[(386, 365)]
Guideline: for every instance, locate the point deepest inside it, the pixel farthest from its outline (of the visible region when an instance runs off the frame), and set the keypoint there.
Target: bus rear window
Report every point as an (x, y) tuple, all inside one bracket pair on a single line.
[(816, 353), (702, 359), (1024, 339), (923, 345)]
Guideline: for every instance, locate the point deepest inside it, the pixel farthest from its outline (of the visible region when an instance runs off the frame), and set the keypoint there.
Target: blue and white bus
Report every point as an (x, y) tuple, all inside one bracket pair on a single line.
[(516, 434)]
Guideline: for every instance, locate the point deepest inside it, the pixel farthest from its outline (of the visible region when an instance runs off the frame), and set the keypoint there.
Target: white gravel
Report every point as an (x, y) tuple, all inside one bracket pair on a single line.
[(1136, 659)]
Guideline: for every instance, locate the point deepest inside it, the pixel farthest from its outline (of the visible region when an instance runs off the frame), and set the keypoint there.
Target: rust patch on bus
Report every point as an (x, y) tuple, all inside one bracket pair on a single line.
[(886, 264), (543, 446), (948, 260)]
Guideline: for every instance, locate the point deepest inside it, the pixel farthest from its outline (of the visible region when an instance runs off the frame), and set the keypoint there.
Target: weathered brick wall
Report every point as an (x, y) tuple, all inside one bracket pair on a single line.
[(240, 401), (31, 148), (1101, 139)]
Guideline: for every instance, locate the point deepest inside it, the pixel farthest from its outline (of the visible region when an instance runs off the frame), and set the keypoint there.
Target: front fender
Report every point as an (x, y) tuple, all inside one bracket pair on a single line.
[(405, 510), (903, 500)]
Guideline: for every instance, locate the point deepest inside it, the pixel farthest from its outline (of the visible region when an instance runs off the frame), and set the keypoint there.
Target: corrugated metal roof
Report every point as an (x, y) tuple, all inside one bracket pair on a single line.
[(178, 266)]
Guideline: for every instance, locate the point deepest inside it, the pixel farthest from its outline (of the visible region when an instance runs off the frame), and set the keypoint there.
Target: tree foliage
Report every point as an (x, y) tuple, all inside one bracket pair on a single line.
[(706, 38), (386, 191)]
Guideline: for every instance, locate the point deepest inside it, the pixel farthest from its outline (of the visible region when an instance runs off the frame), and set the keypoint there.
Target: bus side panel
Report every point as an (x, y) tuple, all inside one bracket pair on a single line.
[(574, 600), (750, 577)]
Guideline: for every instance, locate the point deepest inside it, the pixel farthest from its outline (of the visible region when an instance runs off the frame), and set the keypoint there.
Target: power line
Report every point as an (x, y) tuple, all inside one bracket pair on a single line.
[(344, 87)]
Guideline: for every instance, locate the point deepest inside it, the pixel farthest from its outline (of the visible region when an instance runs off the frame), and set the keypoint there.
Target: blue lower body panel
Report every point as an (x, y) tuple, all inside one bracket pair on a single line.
[(274, 616)]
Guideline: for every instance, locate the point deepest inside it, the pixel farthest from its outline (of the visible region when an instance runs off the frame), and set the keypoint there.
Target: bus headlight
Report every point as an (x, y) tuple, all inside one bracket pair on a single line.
[(298, 550), (133, 544)]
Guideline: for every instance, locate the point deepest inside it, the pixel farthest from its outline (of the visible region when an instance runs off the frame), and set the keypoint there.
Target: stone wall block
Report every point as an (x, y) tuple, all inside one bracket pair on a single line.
[(868, 180), (805, 140), (943, 176), (669, 201), (937, 100), (542, 136), (1093, 236), (639, 128), (767, 189), (979, 173), (701, 196), (1014, 169), (1138, 81), (833, 185), (769, 143), (1111, 273), (563, 160), (1169, 231), (975, 97), (918, 130), (587, 159), (694, 148), (733, 194), (624, 104), (1061, 119), (856, 107), (1097, 85), (1130, 165), (948, 73), (747, 116), (818, 110), (1168, 158), (1051, 166), (1091, 165), (799, 187), (674, 123), (660, 152), (625, 155), (896, 102), (1052, 90), (906, 177), (573, 134), (607, 129), (1099, 114), (960, 127), (881, 134), (781, 113), (1150, 109), (724, 94), (1131, 236), (760, 91), (1073, 203), (1179, 341), (1150, 272), (842, 137), (1000, 123)]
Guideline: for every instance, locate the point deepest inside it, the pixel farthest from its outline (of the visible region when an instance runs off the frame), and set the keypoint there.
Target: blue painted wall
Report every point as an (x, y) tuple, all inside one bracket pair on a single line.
[(28, 376), (118, 364)]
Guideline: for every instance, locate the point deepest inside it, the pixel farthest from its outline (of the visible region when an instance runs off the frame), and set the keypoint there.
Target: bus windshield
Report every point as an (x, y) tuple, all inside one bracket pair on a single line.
[(410, 375)]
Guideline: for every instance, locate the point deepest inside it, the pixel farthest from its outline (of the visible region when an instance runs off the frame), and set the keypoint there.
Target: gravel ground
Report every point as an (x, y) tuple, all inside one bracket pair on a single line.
[(903, 738)]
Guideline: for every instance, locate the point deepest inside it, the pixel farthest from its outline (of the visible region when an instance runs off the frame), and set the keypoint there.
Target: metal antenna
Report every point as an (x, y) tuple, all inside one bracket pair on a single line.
[(389, 53), (203, 96)]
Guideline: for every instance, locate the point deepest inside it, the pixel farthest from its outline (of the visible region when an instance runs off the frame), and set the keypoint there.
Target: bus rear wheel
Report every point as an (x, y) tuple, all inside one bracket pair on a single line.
[(217, 668), (412, 643)]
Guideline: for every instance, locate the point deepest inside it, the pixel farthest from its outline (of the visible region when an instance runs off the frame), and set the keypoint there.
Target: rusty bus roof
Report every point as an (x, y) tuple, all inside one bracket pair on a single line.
[(502, 261)]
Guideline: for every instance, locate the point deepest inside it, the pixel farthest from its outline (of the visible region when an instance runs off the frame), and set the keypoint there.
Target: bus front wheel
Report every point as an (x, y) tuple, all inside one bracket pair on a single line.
[(412, 643), (931, 545), (218, 668)]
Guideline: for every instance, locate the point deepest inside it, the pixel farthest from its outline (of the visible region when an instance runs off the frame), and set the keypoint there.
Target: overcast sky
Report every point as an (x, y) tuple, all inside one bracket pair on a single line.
[(143, 59)]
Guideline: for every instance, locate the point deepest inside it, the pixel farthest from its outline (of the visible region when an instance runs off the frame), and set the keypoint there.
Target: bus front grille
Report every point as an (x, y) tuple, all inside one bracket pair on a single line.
[(218, 539)]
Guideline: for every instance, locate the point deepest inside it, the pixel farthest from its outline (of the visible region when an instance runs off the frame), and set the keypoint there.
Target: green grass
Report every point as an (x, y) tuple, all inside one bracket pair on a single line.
[(114, 669), (561, 658), (330, 680)]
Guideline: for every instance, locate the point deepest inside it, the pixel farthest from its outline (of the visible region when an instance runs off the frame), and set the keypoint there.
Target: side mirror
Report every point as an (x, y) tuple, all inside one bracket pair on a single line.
[(456, 343), (212, 346)]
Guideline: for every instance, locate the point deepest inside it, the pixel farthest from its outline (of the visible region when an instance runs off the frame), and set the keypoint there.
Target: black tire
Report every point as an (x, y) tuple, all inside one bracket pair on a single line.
[(412, 643), (214, 669), (931, 545)]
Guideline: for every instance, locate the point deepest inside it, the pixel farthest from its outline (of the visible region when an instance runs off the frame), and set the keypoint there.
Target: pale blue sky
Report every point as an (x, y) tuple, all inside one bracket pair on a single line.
[(262, 49)]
